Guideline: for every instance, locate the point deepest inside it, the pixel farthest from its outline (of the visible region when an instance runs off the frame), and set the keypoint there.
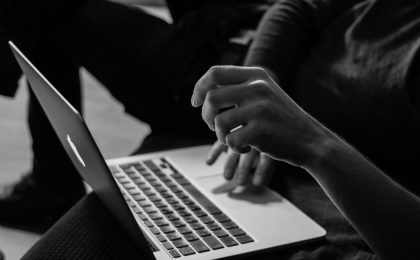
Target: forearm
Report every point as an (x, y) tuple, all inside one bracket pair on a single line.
[(386, 214)]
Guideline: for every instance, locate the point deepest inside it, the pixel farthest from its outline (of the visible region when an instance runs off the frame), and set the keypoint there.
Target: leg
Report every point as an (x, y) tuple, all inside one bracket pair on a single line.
[(149, 65), (53, 185)]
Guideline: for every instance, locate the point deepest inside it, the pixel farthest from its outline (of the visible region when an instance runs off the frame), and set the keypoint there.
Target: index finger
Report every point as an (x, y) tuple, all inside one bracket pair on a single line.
[(218, 76)]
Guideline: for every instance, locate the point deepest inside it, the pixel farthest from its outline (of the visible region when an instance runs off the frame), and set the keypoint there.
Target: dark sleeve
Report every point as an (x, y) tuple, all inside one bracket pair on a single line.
[(288, 29)]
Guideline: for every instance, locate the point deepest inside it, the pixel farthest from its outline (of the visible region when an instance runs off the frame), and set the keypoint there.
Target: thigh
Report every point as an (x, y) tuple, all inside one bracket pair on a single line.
[(141, 59), (87, 231)]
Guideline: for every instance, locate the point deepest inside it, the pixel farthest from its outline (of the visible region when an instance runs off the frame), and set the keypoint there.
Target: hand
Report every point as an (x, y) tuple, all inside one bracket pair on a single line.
[(262, 116), (254, 166)]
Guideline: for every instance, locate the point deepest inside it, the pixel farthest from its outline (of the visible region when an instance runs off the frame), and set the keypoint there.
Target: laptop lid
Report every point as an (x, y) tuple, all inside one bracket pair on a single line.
[(80, 146)]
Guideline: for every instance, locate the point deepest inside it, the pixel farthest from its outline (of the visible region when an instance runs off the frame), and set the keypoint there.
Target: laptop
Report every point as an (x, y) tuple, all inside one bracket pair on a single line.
[(171, 203)]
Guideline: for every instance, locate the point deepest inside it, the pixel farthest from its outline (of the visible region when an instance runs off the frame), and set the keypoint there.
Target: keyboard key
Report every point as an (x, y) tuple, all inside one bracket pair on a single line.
[(196, 226), (161, 189), (244, 239), (213, 242), (134, 192), (166, 211), (184, 213), (149, 193), (200, 213), (176, 190), (193, 207), (161, 238), (137, 210), (161, 222), (220, 233), (171, 184), (167, 229), (184, 230), (151, 165), (206, 220), (191, 237), (165, 179), (139, 197), (130, 187), (167, 245), (228, 241), (203, 232), (229, 225), (154, 198), (199, 246), (166, 195), (149, 223), (172, 217), (178, 223), (113, 169), (173, 236), (182, 195), (143, 217), (178, 207), (160, 204), (189, 219), (221, 217), (177, 175), (186, 251), (180, 243), (172, 201), (202, 200), (155, 230), (149, 210), (144, 204), (155, 216), (124, 181), (213, 226), (139, 181), (236, 232), (174, 253)]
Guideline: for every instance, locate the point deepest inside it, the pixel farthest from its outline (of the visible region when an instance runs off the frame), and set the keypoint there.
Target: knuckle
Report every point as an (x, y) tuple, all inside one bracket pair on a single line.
[(211, 97), (213, 71), (261, 72)]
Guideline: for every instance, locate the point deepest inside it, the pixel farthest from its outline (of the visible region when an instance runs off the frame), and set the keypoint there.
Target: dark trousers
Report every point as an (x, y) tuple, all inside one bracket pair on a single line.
[(150, 66)]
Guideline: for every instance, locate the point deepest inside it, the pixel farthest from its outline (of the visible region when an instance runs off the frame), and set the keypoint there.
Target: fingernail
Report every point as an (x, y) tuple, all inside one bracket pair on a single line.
[(194, 101)]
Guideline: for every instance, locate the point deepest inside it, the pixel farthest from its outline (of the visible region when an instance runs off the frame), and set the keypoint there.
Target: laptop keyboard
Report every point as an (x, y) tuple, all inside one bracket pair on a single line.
[(176, 212)]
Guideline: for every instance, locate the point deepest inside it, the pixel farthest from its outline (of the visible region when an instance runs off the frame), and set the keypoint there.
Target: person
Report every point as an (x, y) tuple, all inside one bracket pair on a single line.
[(265, 118), (146, 63), (351, 65)]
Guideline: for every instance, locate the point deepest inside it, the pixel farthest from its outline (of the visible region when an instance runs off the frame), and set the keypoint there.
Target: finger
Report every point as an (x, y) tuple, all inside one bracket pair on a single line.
[(245, 169), (242, 139), (231, 120), (220, 76), (218, 100), (215, 151), (230, 165), (264, 170)]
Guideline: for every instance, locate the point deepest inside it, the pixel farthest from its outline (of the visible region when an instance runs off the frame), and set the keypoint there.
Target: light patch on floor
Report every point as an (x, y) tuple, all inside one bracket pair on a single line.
[(116, 135)]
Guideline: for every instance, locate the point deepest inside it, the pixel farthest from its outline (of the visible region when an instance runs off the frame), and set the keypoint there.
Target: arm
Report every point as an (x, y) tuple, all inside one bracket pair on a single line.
[(386, 214)]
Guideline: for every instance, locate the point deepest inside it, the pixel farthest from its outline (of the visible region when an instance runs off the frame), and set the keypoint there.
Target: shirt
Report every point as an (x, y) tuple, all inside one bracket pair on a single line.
[(353, 65)]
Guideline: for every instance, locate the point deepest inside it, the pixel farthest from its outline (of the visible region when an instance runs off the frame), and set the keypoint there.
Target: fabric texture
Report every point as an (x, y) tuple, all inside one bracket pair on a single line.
[(353, 65)]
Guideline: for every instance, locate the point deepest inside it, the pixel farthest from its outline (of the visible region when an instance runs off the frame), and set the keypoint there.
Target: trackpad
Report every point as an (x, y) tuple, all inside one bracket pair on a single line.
[(232, 196)]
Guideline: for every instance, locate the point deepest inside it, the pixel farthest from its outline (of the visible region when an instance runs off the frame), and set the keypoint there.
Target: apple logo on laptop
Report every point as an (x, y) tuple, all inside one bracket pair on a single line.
[(73, 147)]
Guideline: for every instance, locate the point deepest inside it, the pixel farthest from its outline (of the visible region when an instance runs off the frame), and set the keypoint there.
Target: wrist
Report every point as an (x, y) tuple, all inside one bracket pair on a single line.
[(321, 150)]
